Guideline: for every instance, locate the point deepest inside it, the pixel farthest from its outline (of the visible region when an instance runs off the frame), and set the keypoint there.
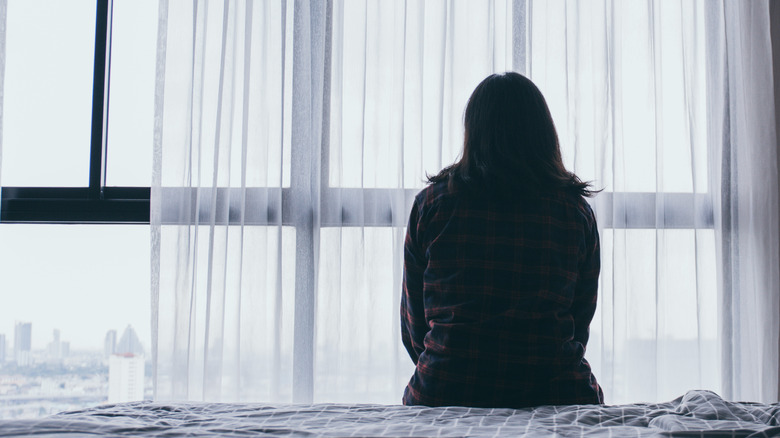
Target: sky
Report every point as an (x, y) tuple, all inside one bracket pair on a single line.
[(81, 279)]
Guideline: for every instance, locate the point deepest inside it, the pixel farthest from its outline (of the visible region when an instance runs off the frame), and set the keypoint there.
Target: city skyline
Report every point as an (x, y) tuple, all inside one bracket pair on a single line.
[(35, 383), (56, 379), (56, 342)]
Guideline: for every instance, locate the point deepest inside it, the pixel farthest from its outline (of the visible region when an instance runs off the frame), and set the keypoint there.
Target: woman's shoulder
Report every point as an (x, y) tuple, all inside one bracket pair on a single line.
[(440, 195), (569, 205), (433, 193), (581, 209)]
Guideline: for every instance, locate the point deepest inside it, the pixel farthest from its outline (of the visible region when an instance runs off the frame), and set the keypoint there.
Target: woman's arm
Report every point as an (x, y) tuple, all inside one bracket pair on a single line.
[(586, 293), (413, 324)]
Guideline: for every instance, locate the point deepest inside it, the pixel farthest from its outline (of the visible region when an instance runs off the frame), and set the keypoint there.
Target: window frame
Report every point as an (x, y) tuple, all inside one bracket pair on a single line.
[(97, 203)]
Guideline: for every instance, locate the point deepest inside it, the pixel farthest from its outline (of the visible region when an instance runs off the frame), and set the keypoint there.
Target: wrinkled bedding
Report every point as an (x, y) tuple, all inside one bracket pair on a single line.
[(697, 413)]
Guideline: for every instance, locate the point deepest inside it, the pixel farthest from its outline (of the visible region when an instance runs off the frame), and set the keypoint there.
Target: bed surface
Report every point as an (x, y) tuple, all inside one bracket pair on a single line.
[(697, 413)]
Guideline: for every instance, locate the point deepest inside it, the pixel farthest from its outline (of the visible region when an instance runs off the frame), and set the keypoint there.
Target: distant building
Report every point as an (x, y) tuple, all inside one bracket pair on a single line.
[(126, 369), (109, 344), (129, 343), (125, 377), (23, 343), (57, 349), (2, 349)]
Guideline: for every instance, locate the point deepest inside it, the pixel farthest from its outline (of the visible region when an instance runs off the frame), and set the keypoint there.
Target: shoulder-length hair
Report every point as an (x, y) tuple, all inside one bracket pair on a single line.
[(510, 144)]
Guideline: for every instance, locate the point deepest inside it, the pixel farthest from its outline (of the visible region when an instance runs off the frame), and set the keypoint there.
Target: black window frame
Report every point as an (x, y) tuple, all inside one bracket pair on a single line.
[(97, 203)]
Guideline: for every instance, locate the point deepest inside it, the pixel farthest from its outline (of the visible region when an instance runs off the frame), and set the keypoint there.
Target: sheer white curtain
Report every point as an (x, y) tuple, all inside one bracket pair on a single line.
[(665, 105), (291, 136), (626, 82), (742, 117)]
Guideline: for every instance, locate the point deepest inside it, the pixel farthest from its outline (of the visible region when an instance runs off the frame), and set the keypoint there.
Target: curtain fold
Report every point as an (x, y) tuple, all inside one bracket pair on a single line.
[(223, 304), (743, 126), (291, 137)]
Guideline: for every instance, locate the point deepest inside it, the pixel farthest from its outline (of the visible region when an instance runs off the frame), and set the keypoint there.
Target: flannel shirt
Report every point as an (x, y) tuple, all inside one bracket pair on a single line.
[(497, 299)]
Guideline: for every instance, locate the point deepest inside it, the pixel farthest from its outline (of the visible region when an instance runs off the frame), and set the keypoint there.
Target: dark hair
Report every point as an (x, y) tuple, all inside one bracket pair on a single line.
[(510, 145)]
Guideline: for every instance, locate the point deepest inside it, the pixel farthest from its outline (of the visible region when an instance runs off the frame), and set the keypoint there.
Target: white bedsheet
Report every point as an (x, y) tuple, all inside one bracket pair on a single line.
[(697, 413)]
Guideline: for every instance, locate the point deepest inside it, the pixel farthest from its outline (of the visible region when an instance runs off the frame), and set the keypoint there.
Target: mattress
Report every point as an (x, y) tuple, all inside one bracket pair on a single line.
[(697, 413)]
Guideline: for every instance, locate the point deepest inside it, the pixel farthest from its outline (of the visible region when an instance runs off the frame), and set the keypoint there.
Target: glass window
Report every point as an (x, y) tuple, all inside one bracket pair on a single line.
[(396, 108), (359, 286), (47, 107), (131, 111), (72, 295), (672, 274)]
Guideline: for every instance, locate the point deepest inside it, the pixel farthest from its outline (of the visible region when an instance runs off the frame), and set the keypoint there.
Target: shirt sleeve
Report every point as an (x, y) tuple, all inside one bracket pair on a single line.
[(586, 293), (413, 324)]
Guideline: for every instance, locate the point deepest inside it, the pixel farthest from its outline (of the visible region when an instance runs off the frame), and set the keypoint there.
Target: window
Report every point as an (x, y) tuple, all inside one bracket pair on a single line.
[(361, 196), (658, 237), (75, 254), (81, 291), (87, 164)]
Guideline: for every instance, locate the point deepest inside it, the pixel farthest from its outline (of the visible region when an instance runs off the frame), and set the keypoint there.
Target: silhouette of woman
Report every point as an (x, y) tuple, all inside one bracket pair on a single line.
[(501, 264)]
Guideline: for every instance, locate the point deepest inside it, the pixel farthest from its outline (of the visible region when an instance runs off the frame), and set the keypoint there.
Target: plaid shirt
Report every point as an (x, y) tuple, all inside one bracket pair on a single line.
[(497, 300)]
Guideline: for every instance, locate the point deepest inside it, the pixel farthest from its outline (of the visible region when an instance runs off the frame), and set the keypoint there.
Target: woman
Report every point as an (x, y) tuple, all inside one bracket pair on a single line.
[(501, 264)]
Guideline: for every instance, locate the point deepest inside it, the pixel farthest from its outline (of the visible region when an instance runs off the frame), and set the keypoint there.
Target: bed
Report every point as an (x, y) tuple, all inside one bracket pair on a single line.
[(697, 413)]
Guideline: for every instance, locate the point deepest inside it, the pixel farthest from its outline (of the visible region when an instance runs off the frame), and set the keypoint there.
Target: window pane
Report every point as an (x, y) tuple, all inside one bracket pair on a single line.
[(359, 353), (655, 332), (254, 127), (73, 285), (396, 108), (131, 114), (630, 116), (48, 92), (252, 271)]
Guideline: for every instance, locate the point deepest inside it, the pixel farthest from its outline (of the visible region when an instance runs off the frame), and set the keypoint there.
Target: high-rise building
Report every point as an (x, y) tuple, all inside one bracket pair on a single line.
[(53, 349), (125, 377), (109, 344), (2, 349), (129, 343), (126, 369), (23, 343), (57, 348)]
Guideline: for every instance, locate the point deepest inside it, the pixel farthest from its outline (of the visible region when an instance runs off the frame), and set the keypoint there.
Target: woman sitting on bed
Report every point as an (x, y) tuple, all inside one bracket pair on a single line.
[(501, 264)]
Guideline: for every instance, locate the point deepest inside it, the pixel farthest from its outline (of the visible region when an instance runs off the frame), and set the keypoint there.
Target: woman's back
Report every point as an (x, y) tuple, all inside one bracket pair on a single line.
[(498, 296)]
